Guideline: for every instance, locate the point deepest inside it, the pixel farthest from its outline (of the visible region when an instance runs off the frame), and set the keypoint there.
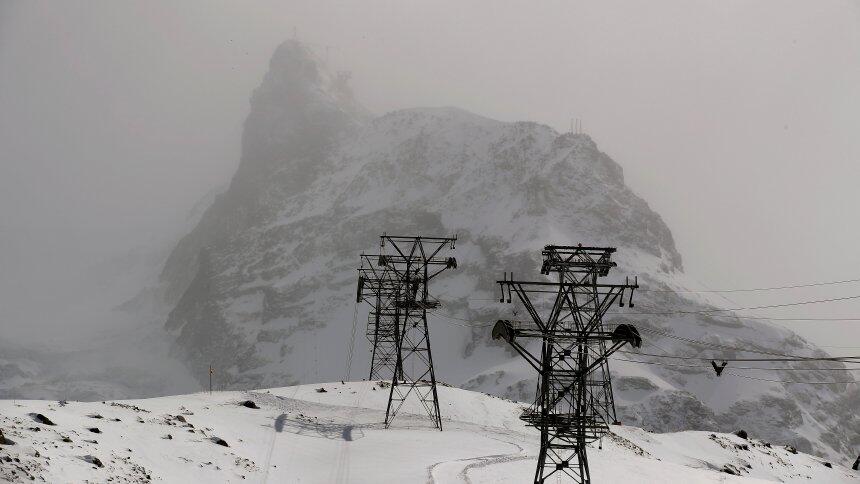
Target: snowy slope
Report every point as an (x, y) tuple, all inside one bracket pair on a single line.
[(300, 435)]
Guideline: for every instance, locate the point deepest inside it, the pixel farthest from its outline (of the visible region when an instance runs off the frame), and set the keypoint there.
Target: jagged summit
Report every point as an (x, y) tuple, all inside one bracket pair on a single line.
[(264, 285), (297, 112)]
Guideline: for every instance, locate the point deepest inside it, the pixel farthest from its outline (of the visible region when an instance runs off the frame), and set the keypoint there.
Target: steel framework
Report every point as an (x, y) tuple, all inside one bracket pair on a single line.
[(573, 404), (395, 284)]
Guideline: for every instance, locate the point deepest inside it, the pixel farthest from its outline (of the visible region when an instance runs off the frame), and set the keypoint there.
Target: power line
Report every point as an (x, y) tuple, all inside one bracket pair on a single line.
[(351, 343), (776, 319), (706, 367), (755, 289), (841, 359), (717, 345), (768, 306), (796, 382), (475, 324)]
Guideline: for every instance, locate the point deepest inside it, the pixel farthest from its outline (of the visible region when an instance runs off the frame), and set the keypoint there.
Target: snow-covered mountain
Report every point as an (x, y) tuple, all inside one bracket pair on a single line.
[(263, 288), (333, 433)]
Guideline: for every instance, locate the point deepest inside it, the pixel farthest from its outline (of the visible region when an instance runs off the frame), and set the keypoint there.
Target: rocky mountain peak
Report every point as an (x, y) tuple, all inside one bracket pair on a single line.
[(265, 283)]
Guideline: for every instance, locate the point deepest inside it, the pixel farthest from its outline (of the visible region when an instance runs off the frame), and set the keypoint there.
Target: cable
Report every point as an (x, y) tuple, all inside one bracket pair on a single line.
[(716, 310), (841, 359), (477, 324), (796, 382), (772, 318), (774, 288), (706, 367), (716, 345), (351, 343)]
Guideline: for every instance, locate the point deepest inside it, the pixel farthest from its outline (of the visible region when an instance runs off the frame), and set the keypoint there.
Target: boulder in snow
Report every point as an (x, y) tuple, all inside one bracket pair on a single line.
[(93, 460), (42, 419)]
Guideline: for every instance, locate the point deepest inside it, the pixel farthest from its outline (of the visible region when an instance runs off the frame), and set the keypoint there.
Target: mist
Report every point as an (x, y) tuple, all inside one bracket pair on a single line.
[(735, 120)]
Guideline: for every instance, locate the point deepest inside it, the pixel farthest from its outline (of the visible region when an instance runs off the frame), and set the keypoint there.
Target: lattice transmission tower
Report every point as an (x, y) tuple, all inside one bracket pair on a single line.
[(573, 404), (395, 284)]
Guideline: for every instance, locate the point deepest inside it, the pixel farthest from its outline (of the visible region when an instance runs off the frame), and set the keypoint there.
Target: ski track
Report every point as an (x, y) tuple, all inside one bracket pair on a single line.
[(482, 461)]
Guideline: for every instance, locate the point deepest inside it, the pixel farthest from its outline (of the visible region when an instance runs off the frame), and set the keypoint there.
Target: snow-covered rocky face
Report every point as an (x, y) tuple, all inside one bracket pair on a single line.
[(264, 285)]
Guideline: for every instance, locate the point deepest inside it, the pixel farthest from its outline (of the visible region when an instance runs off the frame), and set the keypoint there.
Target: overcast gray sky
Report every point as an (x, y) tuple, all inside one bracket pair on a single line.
[(739, 121)]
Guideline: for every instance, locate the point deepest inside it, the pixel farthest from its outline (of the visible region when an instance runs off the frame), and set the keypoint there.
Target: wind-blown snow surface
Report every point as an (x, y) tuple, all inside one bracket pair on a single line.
[(264, 286), (301, 435)]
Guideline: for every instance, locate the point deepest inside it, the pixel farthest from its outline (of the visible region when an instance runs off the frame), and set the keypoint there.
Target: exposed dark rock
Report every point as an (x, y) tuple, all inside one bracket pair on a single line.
[(742, 434), (219, 441), (94, 430), (38, 417), (249, 404), (321, 390), (93, 460)]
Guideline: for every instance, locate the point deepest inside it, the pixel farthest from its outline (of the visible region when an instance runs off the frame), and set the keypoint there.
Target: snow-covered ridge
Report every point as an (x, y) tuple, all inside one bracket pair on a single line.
[(304, 434)]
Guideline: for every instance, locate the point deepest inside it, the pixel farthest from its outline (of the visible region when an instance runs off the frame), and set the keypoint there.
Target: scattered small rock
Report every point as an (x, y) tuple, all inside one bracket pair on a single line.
[(321, 390), (94, 415), (38, 417), (168, 437), (66, 439), (249, 404), (219, 441), (180, 418), (828, 464), (94, 430), (791, 449), (4, 440), (742, 434)]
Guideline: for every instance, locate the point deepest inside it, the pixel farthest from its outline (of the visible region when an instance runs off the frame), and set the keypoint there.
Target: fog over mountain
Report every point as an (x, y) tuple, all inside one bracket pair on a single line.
[(153, 221), (264, 285)]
